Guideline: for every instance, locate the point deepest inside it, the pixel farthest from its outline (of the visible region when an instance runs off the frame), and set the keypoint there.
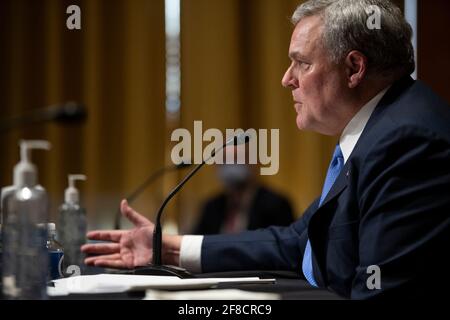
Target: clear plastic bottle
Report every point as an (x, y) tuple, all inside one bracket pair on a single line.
[(25, 259), (9, 191), (55, 254), (72, 225)]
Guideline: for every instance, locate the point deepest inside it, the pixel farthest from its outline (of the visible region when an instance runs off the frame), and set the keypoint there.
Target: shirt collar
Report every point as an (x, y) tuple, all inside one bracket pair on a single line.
[(355, 127)]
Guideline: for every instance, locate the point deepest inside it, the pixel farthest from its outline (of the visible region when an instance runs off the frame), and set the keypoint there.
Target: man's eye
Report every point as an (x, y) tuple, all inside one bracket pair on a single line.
[(303, 65)]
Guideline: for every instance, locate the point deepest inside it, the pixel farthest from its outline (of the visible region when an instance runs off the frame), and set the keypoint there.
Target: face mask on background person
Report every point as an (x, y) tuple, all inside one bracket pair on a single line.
[(234, 175)]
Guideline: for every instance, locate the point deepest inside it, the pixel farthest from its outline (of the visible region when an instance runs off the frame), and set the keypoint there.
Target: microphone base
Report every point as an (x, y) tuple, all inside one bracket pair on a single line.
[(160, 270)]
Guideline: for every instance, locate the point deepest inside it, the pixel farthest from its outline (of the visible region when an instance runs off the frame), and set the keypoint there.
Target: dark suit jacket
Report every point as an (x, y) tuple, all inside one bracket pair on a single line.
[(389, 207), (267, 208)]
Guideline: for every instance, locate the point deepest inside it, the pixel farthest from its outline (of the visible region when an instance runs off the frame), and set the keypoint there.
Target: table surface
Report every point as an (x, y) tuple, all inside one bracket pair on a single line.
[(288, 285)]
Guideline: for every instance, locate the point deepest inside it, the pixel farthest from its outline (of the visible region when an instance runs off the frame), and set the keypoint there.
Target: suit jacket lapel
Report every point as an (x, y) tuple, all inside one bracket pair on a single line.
[(339, 185)]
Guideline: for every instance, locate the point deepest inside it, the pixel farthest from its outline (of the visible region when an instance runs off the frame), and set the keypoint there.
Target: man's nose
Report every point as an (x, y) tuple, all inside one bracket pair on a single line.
[(288, 80)]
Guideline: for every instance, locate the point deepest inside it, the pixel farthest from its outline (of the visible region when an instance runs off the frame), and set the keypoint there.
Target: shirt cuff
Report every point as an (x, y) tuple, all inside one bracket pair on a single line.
[(190, 253)]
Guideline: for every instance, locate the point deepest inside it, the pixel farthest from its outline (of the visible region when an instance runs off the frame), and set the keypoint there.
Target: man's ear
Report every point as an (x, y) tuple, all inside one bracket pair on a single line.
[(356, 67)]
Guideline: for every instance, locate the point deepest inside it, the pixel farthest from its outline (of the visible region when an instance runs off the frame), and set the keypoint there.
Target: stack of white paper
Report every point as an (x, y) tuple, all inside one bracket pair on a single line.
[(114, 283)]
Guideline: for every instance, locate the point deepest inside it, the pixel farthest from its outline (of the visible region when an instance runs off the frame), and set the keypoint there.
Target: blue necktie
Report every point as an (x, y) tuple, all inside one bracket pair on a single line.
[(336, 165)]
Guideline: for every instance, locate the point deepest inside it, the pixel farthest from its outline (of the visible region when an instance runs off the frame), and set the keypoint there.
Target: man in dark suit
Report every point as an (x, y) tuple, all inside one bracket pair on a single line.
[(381, 228)]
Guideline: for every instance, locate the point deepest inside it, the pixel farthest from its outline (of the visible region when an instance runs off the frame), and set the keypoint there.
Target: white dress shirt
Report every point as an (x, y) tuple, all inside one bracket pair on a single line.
[(191, 246)]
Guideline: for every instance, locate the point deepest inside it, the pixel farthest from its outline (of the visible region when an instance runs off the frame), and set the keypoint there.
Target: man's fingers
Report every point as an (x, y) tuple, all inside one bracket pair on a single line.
[(106, 235), (94, 260), (136, 218), (118, 264), (101, 248), (115, 256), (90, 261)]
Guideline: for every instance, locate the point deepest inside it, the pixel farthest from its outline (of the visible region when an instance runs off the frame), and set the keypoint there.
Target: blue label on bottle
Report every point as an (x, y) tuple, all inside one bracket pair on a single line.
[(56, 264)]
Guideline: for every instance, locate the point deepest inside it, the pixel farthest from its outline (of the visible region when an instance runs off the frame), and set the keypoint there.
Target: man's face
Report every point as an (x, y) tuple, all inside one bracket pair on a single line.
[(318, 85)]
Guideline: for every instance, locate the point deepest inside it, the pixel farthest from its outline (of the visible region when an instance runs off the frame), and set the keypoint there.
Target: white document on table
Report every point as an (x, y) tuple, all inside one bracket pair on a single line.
[(116, 283)]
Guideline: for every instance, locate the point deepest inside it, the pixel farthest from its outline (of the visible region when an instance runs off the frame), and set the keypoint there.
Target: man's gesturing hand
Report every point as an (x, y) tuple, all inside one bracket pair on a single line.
[(127, 248)]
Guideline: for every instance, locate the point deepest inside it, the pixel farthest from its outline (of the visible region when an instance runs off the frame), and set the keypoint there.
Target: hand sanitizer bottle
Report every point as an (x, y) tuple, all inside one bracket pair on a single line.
[(72, 225), (25, 258)]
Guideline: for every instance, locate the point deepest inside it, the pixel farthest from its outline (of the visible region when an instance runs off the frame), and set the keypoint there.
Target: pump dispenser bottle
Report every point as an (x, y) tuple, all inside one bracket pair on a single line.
[(25, 258), (72, 225)]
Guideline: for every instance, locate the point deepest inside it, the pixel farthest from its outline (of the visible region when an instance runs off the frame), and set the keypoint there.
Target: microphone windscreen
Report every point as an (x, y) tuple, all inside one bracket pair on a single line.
[(71, 112)]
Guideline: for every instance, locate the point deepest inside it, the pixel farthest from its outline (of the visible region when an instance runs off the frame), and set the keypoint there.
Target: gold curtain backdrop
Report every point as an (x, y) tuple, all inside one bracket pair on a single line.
[(115, 65), (233, 56)]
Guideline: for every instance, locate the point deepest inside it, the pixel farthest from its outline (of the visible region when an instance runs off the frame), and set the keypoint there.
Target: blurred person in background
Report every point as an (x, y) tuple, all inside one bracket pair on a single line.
[(244, 204)]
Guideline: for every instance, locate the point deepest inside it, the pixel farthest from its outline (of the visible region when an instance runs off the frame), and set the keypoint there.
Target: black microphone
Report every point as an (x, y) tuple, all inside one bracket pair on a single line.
[(157, 268), (65, 113), (153, 177)]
